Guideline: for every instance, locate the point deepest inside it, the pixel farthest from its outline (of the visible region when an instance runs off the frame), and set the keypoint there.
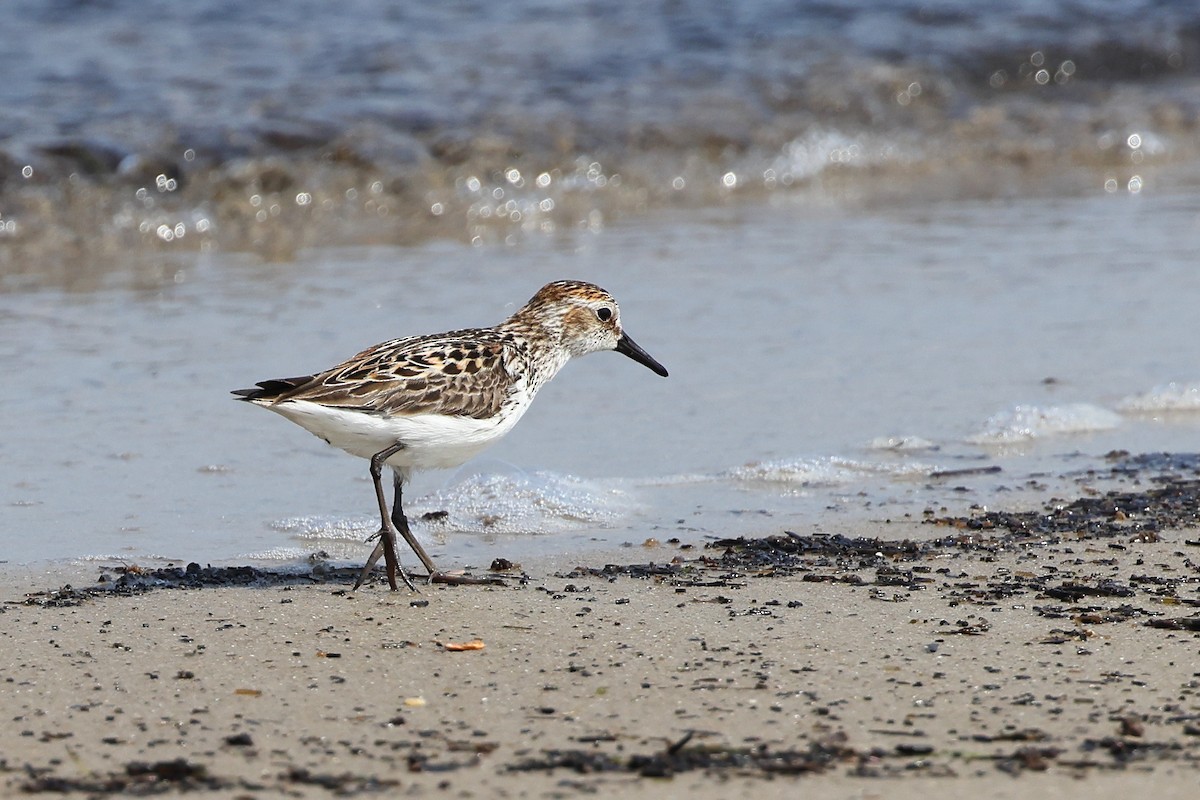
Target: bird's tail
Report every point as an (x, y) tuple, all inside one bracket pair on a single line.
[(273, 389)]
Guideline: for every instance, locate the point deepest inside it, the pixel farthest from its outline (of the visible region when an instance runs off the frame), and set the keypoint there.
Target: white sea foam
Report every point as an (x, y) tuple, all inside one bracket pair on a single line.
[(901, 444), (329, 527), (526, 503), (1175, 397), (823, 471), (286, 554), (1023, 423), (506, 502), (807, 156)]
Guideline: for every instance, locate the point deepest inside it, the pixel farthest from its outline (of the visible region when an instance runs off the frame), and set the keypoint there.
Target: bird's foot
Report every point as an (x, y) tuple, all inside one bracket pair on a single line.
[(403, 576), (386, 547)]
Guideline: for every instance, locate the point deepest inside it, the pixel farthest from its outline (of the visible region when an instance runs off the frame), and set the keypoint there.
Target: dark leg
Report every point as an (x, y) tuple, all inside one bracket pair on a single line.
[(398, 523), (401, 523), (387, 531), (371, 561)]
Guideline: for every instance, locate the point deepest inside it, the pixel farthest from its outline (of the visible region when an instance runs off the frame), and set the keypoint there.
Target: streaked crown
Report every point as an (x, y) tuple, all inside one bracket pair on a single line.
[(581, 317)]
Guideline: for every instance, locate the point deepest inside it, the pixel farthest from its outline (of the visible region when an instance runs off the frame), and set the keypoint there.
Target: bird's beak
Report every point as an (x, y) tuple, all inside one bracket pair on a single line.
[(628, 347)]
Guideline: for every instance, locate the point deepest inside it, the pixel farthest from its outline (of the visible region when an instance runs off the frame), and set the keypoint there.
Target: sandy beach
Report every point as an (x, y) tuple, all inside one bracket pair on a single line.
[(988, 667)]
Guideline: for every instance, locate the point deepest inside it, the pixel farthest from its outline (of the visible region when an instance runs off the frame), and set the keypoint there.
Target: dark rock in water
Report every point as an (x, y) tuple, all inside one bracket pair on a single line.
[(371, 145), (274, 180), (269, 176), (454, 148), (451, 149), (10, 169), (89, 156), (290, 136)]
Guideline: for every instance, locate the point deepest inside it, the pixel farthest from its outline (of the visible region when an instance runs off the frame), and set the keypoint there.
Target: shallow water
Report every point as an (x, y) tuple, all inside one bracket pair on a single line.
[(824, 361), (873, 241)]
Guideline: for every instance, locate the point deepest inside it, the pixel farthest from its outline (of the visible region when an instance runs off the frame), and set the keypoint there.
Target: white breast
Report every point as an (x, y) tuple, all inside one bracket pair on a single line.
[(432, 441)]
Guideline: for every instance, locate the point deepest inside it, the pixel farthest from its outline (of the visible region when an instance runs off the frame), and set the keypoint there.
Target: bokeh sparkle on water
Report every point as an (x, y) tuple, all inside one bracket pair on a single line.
[(132, 128)]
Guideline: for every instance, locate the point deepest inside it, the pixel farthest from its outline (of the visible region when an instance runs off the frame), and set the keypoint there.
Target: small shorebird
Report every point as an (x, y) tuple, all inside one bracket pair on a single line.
[(434, 401)]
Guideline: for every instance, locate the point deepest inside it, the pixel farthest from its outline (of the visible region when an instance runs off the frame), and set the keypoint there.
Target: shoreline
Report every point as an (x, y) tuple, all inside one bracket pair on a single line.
[(994, 664)]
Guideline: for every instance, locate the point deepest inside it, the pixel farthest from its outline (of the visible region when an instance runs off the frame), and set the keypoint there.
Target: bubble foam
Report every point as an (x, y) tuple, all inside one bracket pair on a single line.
[(1174, 397), (901, 444), (824, 471), (526, 503), (1024, 423)]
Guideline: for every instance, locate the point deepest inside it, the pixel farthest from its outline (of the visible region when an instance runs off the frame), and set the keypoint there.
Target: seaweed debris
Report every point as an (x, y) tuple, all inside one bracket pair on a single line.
[(1172, 504), (134, 580), (682, 757)]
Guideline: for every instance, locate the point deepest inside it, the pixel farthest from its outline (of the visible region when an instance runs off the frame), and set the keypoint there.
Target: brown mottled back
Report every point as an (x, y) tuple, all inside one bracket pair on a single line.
[(413, 375)]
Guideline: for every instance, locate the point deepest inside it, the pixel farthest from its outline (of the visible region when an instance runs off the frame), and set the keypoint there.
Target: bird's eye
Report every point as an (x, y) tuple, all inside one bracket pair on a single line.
[(604, 313)]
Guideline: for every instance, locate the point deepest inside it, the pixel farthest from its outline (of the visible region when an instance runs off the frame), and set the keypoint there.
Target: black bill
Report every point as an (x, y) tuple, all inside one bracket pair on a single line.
[(628, 347)]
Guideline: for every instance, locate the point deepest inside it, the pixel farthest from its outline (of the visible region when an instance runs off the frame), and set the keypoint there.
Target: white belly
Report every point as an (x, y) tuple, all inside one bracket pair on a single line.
[(431, 441)]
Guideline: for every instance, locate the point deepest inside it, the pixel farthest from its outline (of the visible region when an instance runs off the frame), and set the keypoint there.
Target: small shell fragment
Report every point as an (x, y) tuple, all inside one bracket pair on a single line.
[(455, 647)]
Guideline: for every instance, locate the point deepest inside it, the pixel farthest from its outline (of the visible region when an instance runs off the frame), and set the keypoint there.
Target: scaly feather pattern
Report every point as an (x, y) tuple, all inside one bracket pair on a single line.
[(461, 373)]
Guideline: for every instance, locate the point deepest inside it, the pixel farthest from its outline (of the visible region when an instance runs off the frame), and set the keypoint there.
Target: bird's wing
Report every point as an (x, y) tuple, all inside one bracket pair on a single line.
[(462, 373)]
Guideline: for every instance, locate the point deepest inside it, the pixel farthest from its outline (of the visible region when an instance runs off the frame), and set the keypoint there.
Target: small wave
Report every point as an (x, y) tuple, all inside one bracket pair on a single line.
[(1023, 423), (507, 502), (1181, 397), (901, 444), (807, 156), (293, 554), (324, 526), (526, 503), (826, 471)]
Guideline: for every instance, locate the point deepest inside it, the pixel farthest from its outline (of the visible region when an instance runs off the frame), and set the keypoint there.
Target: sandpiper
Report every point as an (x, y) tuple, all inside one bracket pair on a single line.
[(433, 401)]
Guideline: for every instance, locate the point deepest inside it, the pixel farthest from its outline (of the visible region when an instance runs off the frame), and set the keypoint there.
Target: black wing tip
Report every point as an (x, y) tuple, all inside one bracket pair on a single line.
[(269, 390)]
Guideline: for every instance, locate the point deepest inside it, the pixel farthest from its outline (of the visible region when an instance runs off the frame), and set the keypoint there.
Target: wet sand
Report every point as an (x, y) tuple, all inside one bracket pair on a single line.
[(992, 662)]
